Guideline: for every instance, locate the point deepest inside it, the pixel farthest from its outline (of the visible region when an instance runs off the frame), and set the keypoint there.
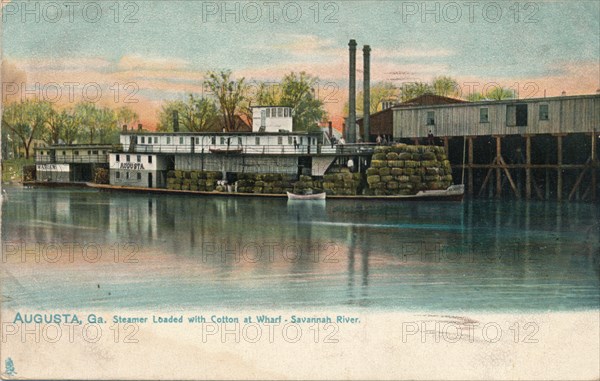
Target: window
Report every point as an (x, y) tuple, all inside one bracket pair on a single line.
[(76, 153), (279, 112), (139, 176), (430, 118), (168, 140), (222, 140), (213, 140), (105, 152), (89, 152), (181, 140), (289, 140), (302, 140), (138, 158), (149, 159), (239, 140), (95, 152), (64, 153), (155, 139), (143, 140), (280, 140), (197, 140), (286, 112), (267, 113), (118, 174), (483, 115), (544, 112), (258, 140), (117, 158), (127, 158), (127, 175)]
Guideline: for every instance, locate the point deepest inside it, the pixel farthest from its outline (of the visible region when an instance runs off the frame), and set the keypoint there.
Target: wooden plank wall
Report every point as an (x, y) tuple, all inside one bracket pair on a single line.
[(566, 115)]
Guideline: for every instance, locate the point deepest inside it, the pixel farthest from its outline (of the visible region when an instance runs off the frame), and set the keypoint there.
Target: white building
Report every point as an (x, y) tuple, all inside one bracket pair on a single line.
[(271, 119)]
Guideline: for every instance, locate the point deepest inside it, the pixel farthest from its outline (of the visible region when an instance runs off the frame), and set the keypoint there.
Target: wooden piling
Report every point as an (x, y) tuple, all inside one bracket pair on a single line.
[(594, 166), (559, 161), (470, 187), (528, 167), (498, 170)]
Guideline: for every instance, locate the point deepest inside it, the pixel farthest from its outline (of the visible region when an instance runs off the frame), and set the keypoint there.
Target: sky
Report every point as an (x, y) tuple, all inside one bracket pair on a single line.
[(139, 53)]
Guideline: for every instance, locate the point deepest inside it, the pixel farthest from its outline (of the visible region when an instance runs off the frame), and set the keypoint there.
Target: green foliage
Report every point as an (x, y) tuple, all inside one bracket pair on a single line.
[(445, 86), (475, 97), (415, 89), (230, 95), (296, 90), (12, 169), (196, 115), (26, 120), (126, 116), (380, 92), (497, 93), (99, 125)]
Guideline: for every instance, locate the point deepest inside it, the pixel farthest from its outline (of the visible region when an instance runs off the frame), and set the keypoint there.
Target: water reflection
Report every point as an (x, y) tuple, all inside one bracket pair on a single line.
[(270, 252)]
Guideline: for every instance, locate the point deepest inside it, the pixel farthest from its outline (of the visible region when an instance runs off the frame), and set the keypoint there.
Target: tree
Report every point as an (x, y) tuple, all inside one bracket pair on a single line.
[(415, 89), (445, 86), (55, 124), (126, 116), (380, 92), (230, 95), (202, 115), (26, 120), (296, 91), (165, 114), (107, 125), (71, 126), (99, 124), (499, 93), (496, 93), (196, 115), (87, 113)]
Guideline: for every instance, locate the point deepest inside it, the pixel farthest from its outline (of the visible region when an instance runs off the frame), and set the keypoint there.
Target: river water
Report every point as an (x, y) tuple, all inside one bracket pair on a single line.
[(78, 248)]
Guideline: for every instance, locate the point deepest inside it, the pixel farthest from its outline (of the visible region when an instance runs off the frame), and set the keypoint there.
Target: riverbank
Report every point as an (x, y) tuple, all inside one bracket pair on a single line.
[(12, 170)]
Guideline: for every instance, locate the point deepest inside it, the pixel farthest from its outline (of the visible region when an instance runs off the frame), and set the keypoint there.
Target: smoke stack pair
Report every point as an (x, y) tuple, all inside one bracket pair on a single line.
[(351, 132)]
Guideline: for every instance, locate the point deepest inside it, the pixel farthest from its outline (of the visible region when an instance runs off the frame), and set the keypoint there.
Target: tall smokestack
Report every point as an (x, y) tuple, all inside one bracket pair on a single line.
[(175, 121), (330, 129), (351, 134), (367, 92)]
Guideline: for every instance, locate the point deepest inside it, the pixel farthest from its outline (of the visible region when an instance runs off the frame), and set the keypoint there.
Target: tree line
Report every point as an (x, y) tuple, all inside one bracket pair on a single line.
[(442, 85), (228, 106), (35, 119)]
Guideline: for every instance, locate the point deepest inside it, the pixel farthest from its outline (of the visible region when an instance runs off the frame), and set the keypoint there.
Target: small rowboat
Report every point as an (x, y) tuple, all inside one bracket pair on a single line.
[(315, 196)]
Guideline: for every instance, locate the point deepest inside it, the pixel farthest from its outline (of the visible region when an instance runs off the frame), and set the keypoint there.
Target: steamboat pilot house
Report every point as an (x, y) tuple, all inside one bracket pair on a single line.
[(270, 147)]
